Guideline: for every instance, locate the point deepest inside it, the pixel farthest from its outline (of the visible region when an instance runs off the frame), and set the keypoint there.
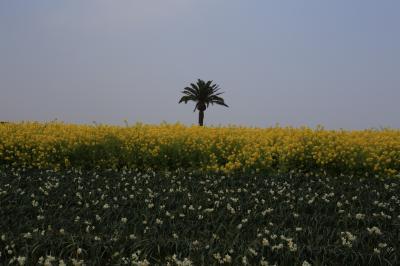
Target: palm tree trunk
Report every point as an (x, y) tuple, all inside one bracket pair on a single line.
[(201, 118)]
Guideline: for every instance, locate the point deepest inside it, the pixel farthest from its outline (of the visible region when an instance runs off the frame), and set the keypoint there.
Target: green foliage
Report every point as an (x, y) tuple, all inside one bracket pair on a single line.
[(127, 217), (106, 153)]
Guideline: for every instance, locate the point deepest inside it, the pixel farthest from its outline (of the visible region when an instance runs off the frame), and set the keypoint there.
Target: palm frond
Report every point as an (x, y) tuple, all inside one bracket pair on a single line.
[(194, 91), (187, 98), (203, 93)]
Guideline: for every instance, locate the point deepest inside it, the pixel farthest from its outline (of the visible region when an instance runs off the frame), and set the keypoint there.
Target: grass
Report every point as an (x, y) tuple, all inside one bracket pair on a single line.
[(126, 217)]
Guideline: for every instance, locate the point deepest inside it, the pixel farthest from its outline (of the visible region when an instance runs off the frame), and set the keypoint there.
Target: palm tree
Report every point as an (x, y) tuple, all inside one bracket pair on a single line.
[(204, 94)]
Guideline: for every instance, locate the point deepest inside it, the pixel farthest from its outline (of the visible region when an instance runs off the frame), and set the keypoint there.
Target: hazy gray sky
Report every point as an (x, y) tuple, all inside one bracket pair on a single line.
[(335, 63)]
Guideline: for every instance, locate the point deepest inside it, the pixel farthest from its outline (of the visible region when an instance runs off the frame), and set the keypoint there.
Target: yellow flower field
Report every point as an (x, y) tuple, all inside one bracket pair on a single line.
[(227, 149)]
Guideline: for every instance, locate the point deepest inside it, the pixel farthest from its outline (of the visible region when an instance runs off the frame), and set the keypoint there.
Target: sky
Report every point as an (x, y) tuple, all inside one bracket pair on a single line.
[(289, 63)]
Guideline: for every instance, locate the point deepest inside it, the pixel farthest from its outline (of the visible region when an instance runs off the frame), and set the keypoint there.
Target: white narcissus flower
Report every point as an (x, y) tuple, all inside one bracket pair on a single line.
[(265, 242), (263, 262), (292, 246), (217, 256), (227, 258), (382, 245), (21, 260), (360, 216), (28, 235), (253, 252), (374, 230), (77, 262), (48, 261), (244, 260), (347, 239)]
